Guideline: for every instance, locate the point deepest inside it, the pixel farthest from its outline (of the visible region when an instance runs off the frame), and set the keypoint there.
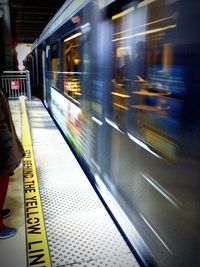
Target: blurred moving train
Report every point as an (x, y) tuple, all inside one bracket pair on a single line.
[(122, 80)]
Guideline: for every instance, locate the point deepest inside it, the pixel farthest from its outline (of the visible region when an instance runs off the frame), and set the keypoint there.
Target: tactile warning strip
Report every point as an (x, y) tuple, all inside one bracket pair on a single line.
[(79, 230)]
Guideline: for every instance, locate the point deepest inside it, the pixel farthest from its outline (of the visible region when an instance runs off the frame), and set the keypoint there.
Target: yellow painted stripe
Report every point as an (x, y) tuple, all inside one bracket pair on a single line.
[(37, 245)]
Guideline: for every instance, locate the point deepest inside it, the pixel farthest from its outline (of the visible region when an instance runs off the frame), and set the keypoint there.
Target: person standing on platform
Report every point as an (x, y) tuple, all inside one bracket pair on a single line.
[(11, 153)]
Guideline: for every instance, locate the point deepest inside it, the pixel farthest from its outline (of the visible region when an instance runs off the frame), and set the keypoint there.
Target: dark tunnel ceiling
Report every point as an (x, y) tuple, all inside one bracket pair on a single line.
[(30, 17)]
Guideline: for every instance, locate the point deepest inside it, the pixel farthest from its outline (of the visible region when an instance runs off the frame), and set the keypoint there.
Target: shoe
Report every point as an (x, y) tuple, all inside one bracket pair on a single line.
[(6, 213), (7, 232)]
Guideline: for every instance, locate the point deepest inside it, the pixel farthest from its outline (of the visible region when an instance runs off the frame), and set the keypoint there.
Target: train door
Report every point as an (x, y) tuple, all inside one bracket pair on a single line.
[(45, 59), (100, 72), (44, 79), (92, 83)]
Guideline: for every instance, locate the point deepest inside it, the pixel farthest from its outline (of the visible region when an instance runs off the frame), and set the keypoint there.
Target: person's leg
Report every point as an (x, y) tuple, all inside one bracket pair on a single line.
[(5, 232), (4, 179)]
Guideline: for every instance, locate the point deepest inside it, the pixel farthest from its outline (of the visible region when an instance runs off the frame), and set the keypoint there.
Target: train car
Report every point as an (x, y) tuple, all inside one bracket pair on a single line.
[(121, 79)]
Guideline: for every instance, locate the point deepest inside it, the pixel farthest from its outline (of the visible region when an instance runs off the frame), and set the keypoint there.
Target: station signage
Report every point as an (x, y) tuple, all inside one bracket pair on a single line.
[(15, 85)]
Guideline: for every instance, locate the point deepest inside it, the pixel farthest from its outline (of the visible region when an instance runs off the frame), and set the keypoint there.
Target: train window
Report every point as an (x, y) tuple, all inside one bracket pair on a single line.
[(71, 66), (54, 65), (147, 85), (122, 75)]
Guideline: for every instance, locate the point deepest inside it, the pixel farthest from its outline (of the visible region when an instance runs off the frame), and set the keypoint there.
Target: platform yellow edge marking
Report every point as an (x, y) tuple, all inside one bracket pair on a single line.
[(37, 245)]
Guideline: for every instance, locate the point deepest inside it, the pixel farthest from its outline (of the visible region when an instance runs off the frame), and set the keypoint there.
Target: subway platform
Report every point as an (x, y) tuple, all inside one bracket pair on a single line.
[(60, 220)]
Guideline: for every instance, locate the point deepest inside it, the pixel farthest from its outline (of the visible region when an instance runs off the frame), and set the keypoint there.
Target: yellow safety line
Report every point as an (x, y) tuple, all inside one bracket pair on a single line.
[(37, 245)]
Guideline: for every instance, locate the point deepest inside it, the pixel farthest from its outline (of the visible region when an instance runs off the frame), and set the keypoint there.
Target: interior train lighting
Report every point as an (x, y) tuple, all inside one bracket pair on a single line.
[(146, 24), (72, 36), (120, 106), (121, 95), (145, 3), (146, 32), (123, 13)]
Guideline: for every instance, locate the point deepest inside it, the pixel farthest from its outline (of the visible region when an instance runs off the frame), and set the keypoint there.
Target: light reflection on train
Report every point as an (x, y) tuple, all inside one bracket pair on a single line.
[(122, 79)]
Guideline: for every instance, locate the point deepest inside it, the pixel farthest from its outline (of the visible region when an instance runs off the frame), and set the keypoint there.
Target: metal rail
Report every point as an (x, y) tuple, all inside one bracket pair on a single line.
[(16, 83)]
